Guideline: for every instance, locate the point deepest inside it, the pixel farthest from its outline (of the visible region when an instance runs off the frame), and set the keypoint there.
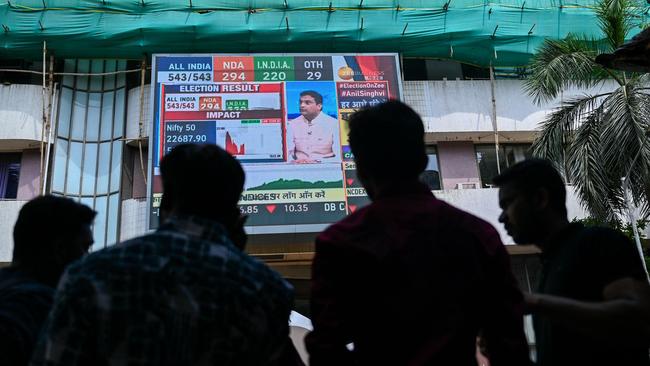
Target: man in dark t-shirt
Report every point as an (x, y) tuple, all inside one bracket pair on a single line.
[(409, 279), (575, 322)]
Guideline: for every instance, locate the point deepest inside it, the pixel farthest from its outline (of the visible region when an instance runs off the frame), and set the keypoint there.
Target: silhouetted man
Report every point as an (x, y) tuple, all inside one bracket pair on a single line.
[(50, 233), (581, 268), (186, 294), (409, 279)]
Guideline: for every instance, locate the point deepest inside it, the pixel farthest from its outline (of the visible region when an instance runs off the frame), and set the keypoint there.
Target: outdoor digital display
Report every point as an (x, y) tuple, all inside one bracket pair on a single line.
[(283, 117)]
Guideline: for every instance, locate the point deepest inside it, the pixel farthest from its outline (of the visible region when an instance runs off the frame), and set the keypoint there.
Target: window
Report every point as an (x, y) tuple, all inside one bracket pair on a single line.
[(11, 77), (422, 69), (431, 174), (89, 144), (9, 175), (509, 155)]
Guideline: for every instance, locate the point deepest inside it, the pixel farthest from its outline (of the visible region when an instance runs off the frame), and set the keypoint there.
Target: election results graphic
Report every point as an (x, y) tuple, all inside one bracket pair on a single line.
[(284, 117)]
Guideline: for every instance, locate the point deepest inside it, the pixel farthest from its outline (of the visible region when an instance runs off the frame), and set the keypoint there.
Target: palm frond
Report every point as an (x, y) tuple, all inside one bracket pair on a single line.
[(640, 181), (587, 171), (638, 81), (644, 205), (640, 168), (597, 140), (625, 145), (559, 64), (614, 20), (623, 129), (557, 130)]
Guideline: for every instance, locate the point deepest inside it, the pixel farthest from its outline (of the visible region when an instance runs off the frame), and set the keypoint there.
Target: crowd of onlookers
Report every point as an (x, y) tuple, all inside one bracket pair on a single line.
[(406, 280)]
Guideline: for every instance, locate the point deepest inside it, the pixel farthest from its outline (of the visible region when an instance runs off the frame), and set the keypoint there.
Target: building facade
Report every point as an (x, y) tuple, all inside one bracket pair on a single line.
[(76, 112), (97, 148)]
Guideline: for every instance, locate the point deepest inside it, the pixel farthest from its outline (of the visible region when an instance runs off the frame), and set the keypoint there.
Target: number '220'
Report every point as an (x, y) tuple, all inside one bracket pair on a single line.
[(274, 75)]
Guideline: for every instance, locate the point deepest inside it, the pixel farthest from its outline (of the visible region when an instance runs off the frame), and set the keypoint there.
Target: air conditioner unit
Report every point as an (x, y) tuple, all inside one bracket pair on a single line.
[(468, 185)]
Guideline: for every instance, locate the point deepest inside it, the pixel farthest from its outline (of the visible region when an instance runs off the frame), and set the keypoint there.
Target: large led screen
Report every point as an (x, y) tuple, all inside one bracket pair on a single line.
[(284, 117)]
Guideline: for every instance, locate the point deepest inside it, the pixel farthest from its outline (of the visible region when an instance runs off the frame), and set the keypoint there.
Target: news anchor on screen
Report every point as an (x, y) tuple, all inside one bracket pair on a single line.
[(313, 136)]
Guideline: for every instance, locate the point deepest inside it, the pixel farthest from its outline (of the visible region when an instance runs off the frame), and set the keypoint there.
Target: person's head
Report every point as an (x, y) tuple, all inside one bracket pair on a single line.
[(311, 104), (532, 197), (50, 233), (387, 142), (203, 181)]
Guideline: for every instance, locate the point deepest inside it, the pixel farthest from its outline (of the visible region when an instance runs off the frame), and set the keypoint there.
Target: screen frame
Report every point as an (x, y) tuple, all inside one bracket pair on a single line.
[(251, 230)]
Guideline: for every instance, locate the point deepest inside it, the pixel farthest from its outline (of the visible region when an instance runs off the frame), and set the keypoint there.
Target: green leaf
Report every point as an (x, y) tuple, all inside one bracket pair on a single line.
[(614, 19), (586, 169), (560, 64), (558, 129), (597, 140)]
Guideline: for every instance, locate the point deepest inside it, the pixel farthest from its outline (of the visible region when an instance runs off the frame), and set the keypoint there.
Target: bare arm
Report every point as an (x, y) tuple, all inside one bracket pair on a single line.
[(623, 317)]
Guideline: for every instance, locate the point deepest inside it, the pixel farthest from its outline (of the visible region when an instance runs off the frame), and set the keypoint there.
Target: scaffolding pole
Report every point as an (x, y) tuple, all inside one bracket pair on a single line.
[(495, 126), (143, 69), (48, 125), (41, 179)]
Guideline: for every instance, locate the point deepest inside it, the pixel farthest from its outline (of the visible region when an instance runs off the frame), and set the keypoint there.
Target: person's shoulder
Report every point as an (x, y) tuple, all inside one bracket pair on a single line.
[(602, 233), (465, 219), (9, 276), (264, 278), (341, 231), (127, 253), (14, 283), (614, 254), (328, 117), (605, 240), (295, 120), (465, 222)]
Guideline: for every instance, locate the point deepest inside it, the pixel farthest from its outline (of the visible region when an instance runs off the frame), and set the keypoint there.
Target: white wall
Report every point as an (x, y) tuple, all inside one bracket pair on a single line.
[(480, 202), (21, 116), (466, 105), (134, 218), (8, 214), (445, 105), (133, 112), (484, 203)]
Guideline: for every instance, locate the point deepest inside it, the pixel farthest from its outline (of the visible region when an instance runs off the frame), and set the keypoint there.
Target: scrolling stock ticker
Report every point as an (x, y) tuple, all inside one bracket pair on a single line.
[(284, 117)]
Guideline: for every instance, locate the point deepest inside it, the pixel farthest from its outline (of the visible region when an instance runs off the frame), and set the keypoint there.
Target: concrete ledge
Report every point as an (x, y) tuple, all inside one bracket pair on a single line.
[(297, 266), (21, 116)]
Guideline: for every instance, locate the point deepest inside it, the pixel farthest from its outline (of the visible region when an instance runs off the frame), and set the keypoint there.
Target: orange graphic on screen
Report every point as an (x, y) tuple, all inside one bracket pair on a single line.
[(233, 68), (232, 148), (210, 103)]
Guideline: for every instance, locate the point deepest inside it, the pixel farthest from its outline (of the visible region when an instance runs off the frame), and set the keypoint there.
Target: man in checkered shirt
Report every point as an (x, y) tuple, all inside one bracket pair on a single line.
[(186, 294)]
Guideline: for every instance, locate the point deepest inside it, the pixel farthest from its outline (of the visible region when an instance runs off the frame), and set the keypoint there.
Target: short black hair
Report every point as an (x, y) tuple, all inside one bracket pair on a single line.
[(314, 94), (202, 180), (42, 222), (531, 175), (388, 141)]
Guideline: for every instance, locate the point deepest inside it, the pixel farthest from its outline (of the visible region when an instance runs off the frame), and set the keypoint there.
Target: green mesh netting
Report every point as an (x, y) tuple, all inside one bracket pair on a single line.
[(504, 33)]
